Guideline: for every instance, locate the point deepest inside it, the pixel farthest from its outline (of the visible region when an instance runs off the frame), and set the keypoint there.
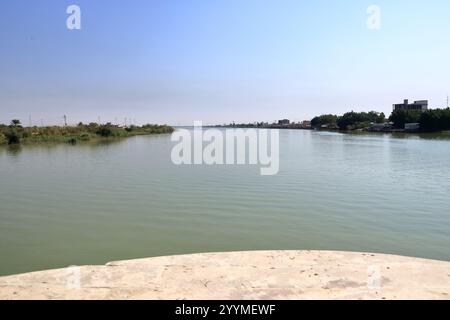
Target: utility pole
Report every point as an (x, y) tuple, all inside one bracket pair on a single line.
[(65, 120), (30, 121)]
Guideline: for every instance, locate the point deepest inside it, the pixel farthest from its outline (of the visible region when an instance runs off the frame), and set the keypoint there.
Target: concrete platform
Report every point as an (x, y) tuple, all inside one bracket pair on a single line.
[(242, 275)]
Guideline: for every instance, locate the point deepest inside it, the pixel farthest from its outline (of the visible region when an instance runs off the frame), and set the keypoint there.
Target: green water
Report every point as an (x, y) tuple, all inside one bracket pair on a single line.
[(64, 205)]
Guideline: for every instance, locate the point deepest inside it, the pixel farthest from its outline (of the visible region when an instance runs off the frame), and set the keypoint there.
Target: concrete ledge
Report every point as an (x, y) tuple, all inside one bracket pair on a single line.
[(242, 275)]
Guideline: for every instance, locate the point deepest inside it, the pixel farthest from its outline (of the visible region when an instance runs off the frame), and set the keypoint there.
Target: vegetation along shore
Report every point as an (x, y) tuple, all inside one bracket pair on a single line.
[(15, 133), (434, 120), (401, 120)]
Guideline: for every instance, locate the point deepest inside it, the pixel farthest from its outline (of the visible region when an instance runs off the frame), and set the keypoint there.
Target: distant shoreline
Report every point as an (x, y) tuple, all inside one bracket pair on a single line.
[(401, 131), (15, 134)]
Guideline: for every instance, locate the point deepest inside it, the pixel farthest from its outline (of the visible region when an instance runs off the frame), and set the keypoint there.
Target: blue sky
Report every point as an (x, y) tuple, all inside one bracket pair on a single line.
[(177, 61)]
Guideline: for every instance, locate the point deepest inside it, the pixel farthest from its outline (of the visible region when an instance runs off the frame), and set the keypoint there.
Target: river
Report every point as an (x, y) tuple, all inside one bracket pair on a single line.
[(91, 203)]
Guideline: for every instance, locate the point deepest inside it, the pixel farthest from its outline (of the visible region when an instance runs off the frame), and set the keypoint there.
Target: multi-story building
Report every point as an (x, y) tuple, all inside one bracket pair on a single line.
[(421, 105), (284, 122)]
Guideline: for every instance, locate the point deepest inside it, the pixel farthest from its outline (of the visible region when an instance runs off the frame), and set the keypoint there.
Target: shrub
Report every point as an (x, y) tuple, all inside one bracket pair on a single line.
[(13, 137), (105, 131), (3, 139), (85, 137)]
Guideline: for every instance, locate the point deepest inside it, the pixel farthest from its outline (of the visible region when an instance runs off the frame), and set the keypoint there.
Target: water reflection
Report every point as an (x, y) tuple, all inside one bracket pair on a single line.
[(397, 135), (13, 150)]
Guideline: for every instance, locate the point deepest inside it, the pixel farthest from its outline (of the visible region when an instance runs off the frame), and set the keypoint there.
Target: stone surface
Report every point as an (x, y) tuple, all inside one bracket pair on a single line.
[(242, 275)]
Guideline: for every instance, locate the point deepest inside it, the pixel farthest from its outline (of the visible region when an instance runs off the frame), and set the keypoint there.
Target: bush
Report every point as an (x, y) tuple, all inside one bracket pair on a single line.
[(3, 139), (15, 133), (105, 131), (85, 137), (13, 137)]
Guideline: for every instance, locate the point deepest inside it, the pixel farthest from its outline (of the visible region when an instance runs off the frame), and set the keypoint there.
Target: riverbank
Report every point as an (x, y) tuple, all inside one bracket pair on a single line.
[(445, 134), (16, 134), (241, 275)]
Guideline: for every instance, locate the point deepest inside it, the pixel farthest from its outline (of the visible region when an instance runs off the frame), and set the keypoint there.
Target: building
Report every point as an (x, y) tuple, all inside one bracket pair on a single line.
[(306, 124), (284, 122), (412, 126), (421, 105), (385, 126)]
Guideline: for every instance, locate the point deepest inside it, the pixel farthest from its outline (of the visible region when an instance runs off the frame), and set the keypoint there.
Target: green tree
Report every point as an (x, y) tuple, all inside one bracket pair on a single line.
[(13, 137), (355, 120), (381, 118), (15, 123), (401, 117), (3, 139), (105, 131), (435, 120), (325, 119)]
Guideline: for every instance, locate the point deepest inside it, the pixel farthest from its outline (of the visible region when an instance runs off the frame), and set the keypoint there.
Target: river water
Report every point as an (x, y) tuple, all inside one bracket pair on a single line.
[(63, 205)]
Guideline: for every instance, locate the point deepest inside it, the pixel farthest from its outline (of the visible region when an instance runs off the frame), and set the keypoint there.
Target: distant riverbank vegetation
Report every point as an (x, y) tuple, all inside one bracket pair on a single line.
[(349, 121), (429, 121), (15, 133)]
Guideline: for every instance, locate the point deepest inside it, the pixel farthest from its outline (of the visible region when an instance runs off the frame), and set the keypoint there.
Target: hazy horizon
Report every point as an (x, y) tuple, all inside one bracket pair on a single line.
[(176, 62)]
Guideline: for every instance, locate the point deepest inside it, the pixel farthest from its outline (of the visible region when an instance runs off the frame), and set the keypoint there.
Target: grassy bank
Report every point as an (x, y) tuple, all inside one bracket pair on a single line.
[(16, 134)]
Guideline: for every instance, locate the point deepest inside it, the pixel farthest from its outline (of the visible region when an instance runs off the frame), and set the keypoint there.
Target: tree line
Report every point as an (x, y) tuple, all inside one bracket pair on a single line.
[(430, 120), (349, 121)]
